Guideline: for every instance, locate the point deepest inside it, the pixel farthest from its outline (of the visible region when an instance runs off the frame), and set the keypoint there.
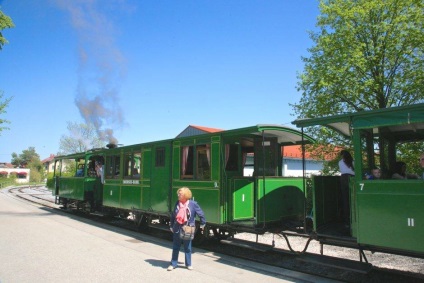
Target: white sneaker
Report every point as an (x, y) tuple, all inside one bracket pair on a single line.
[(170, 268), (190, 267)]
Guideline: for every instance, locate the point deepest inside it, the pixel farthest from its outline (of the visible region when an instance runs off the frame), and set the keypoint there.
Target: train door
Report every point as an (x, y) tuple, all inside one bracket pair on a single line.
[(160, 176), (248, 189), (241, 189), (95, 175)]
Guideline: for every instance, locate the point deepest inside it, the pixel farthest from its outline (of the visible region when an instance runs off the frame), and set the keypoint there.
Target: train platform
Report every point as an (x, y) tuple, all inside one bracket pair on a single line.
[(42, 244)]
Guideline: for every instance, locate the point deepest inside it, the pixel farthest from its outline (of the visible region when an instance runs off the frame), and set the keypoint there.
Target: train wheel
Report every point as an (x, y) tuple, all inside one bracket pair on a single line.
[(64, 202), (201, 235), (124, 214), (143, 223)]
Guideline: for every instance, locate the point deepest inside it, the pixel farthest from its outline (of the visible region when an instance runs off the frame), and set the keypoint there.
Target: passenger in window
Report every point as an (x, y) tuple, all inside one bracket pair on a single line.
[(80, 171), (374, 175), (346, 169), (399, 172)]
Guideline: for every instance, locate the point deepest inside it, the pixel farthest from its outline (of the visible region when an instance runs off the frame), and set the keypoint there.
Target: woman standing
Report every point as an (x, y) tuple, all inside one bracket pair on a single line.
[(346, 170), (185, 212)]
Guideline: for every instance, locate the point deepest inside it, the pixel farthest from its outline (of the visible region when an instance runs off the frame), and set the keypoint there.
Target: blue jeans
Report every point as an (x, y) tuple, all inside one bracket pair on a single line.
[(176, 244)]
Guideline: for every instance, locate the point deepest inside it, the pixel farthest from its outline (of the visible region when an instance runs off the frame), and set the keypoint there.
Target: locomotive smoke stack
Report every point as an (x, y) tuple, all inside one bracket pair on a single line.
[(111, 145)]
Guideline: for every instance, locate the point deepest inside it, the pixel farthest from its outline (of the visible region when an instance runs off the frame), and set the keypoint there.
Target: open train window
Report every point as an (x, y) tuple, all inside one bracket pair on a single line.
[(195, 162), (69, 167), (127, 165), (187, 162), (203, 161), (112, 167), (386, 148), (231, 157), (132, 165), (267, 157), (136, 165)]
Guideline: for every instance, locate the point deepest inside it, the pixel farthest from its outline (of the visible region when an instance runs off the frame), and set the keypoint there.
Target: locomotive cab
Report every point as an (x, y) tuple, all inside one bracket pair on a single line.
[(77, 181)]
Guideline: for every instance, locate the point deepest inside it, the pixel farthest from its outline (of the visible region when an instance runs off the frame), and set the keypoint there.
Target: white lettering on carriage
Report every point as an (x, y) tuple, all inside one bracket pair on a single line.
[(131, 182)]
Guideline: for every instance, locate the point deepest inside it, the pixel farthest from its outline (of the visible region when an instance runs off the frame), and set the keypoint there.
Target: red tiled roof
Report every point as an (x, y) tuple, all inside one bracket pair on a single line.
[(295, 151), (48, 159), (6, 165), (206, 129)]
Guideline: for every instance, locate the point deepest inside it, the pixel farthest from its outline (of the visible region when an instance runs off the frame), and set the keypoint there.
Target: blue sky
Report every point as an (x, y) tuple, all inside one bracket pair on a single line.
[(148, 69)]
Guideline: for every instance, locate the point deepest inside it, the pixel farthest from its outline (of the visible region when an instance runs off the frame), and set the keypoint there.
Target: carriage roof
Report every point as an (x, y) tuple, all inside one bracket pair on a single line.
[(403, 121)]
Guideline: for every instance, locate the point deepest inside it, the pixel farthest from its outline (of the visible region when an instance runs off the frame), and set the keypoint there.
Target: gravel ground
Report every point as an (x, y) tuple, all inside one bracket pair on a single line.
[(382, 260)]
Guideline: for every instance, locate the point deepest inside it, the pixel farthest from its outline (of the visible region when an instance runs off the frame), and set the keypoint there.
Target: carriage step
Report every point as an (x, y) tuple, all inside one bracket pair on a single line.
[(163, 227), (248, 244)]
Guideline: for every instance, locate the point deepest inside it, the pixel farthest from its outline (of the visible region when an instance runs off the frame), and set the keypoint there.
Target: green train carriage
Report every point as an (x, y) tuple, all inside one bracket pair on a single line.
[(143, 179), (386, 214), (212, 166)]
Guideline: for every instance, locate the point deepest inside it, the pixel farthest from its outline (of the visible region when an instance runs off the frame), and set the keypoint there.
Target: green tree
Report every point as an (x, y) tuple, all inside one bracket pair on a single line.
[(82, 137), (26, 157), (5, 22), (367, 54), (3, 105), (30, 159)]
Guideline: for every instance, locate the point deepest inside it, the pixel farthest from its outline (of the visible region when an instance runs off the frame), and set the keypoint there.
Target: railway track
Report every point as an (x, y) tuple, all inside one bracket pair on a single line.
[(331, 267)]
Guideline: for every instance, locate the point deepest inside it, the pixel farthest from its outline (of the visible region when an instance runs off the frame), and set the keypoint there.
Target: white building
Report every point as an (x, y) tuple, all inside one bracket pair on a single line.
[(22, 174)]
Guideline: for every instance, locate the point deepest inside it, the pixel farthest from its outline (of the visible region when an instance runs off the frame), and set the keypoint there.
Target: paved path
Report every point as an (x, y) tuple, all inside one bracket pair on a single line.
[(39, 244)]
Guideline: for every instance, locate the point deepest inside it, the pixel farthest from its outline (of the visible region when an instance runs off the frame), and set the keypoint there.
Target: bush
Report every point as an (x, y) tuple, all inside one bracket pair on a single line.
[(50, 181)]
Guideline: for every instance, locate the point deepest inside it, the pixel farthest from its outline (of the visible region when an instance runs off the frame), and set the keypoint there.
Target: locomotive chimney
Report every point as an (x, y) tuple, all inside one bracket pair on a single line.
[(111, 145)]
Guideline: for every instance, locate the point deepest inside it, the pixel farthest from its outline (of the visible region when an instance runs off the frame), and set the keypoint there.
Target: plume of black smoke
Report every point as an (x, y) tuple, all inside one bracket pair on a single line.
[(101, 66)]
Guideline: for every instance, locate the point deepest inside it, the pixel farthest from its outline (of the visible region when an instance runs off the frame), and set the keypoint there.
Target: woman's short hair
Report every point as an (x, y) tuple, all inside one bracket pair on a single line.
[(185, 192)]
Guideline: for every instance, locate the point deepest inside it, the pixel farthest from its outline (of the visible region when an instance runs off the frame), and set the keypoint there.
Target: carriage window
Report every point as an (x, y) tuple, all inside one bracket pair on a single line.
[(127, 165), (160, 157), (80, 166), (69, 167), (203, 162), (249, 163), (231, 157), (136, 165), (195, 162), (132, 165), (112, 167), (267, 154), (382, 152), (91, 170), (187, 157)]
